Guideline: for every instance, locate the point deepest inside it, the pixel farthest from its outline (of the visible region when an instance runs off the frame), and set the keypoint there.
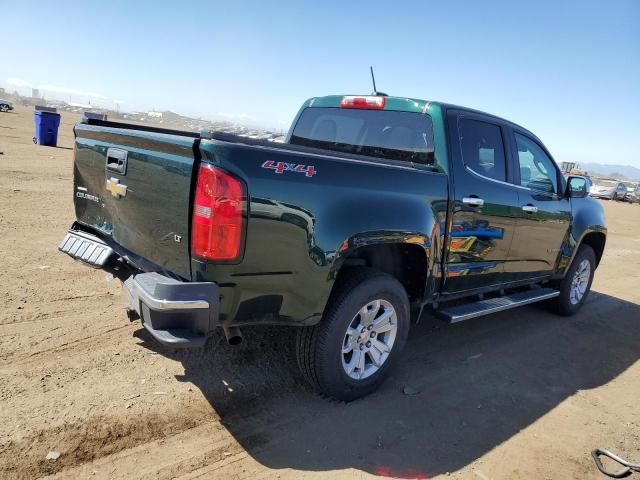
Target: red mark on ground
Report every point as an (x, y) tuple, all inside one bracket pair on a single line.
[(410, 474)]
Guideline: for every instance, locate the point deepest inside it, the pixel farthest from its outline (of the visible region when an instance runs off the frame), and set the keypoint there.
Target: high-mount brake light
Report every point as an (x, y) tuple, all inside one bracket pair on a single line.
[(366, 103), (218, 215)]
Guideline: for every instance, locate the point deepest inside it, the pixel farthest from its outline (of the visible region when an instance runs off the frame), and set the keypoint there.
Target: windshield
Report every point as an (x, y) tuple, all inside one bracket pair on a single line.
[(375, 133), (605, 183)]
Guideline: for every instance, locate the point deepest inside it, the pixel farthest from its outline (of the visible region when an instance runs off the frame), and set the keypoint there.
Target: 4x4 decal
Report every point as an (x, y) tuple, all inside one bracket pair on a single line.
[(281, 167)]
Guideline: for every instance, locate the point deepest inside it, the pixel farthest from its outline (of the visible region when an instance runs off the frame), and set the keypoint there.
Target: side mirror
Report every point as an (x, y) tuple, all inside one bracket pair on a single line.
[(577, 187)]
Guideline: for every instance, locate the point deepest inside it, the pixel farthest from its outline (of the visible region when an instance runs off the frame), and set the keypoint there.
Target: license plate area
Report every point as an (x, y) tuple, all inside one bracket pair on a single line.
[(86, 248)]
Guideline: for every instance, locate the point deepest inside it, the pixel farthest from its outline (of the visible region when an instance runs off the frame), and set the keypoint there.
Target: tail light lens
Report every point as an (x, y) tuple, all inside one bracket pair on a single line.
[(218, 215), (366, 103)]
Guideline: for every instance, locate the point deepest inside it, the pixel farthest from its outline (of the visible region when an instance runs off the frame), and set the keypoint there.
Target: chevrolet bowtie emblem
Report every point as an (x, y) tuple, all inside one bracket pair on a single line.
[(116, 188)]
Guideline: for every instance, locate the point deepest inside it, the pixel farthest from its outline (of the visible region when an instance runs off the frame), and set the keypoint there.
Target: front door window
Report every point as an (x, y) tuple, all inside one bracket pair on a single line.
[(537, 170)]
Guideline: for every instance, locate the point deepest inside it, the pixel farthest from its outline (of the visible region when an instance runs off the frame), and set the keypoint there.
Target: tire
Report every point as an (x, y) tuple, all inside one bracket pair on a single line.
[(321, 349), (567, 303), (4, 108)]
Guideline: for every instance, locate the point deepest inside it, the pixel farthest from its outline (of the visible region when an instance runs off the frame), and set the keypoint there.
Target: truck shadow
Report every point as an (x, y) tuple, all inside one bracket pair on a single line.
[(473, 385)]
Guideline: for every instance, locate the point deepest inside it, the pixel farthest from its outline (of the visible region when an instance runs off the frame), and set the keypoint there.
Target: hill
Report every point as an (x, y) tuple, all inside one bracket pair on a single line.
[(627, 171)]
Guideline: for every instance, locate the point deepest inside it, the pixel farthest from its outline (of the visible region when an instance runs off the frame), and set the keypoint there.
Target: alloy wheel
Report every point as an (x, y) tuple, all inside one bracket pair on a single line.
[(580, 282), (369, 339)]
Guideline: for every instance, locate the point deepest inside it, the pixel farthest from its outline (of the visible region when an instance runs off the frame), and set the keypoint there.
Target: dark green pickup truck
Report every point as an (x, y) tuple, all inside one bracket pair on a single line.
[(374, 209)]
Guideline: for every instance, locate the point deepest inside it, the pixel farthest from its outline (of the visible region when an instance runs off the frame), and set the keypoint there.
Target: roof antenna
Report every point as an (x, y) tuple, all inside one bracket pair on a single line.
[(375, 90)]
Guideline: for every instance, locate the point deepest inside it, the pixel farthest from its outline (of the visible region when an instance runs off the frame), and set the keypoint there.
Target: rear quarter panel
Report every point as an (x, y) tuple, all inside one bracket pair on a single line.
[(300, 227)]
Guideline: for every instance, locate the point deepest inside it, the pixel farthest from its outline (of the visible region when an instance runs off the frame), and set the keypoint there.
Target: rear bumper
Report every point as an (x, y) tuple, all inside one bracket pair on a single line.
[(175, 313)]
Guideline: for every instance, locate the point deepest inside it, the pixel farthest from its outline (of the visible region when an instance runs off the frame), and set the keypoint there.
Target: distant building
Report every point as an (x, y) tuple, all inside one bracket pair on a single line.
[(35, 93), (154, 114), (80, 105)]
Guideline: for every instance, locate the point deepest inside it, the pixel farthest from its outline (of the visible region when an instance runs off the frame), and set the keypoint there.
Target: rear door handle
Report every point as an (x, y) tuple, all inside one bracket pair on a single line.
[(473, 201), (530, 208)]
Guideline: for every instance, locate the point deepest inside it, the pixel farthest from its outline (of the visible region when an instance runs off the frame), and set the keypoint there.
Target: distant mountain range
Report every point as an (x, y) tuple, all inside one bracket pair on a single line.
[(627, 171)]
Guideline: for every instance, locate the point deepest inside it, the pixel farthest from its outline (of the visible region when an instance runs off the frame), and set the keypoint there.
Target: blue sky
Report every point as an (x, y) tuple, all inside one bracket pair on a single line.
[(567, 70)]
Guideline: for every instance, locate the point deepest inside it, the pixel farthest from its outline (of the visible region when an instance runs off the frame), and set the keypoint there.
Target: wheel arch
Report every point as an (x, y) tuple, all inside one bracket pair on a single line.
[(405, 256), (596, 240), (594, 236)]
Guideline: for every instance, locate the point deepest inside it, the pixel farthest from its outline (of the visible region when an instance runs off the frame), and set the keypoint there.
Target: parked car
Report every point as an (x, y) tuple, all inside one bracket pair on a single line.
[(609, 189), (5, 106), (347, 231), (633, 194)]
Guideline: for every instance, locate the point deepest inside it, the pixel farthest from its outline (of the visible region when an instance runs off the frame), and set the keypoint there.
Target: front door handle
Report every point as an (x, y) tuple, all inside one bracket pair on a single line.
[(473, 201), (530, 208)]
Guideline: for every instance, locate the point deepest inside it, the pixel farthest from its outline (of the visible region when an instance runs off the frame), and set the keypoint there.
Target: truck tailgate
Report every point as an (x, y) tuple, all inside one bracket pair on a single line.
[(134, 186)]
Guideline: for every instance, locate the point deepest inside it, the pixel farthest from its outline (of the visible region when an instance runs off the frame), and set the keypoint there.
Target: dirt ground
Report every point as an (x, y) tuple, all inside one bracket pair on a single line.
[(521, 394)]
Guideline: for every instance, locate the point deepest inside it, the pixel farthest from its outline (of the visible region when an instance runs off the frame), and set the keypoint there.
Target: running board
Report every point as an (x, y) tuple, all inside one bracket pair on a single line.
[(466, 311)]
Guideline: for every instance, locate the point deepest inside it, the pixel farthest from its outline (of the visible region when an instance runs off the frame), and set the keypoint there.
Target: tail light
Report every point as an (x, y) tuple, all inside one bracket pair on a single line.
[(366, 103), (218, 215)]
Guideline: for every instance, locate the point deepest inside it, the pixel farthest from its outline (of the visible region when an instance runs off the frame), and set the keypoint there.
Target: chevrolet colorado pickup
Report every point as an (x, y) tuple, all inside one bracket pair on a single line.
[(374, 209)]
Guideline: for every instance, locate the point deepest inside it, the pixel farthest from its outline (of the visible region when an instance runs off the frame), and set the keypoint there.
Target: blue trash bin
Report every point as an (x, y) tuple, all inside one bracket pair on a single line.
[(47, 124)]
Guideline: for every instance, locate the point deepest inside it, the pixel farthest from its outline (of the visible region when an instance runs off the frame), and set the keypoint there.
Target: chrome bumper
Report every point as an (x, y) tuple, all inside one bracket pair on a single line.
[(175, 313)]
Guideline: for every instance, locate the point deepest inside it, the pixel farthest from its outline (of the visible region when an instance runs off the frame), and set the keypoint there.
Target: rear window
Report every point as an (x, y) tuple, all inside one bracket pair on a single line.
[(386, 134)]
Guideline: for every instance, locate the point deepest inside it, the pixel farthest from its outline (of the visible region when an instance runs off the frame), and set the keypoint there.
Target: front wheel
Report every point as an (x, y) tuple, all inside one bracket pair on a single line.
[(364, 328), (4, 108), (576, 285)]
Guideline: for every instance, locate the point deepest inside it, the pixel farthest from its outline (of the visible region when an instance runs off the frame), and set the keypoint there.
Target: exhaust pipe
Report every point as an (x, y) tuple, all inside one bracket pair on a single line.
[(233, 334)]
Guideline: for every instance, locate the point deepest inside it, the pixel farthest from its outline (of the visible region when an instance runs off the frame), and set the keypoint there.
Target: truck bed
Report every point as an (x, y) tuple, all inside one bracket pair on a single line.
[(234, 138)]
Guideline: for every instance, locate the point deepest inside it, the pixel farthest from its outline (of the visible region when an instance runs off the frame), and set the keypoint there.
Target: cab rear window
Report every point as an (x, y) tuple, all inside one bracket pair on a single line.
[(388, 134)]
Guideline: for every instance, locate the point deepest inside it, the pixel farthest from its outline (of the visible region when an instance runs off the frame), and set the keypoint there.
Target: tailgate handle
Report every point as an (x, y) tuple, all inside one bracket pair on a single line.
[(117, 161)]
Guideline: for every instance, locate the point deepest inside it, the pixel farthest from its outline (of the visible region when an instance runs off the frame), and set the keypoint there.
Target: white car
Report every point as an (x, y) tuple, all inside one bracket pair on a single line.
[(633, 193), (609, 189)]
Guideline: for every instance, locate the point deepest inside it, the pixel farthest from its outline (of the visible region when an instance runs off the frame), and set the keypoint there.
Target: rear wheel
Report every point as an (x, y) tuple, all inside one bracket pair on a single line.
[(4, 108), (364, 328), (576, 285)]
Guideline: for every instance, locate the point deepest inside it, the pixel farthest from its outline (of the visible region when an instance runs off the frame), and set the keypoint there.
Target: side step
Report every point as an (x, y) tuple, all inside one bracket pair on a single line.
[(466, 311)]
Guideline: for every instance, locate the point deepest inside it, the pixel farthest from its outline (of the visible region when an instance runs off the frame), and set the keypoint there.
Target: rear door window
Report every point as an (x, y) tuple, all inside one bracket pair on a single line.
[(482, 148), (388, 134)]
